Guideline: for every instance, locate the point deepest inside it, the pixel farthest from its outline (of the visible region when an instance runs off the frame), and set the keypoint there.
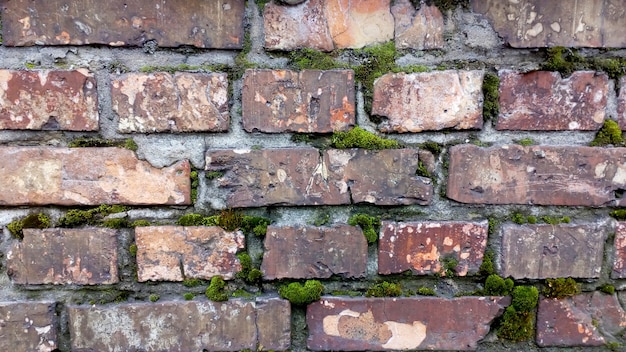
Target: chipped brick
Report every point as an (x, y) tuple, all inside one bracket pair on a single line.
[(27, 326), (619, 263), (417, 29)]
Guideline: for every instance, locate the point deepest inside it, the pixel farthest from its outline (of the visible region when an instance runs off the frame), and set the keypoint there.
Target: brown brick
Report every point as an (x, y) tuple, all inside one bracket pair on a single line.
[(619, 263), (417, 29), (422, 247), (48, 100), (546, 251), (64, 256), (588, 319), (358, 324), (536, 23), (180, 326), (543, 175), (358, 23), (621, 104), (299, 176), (183, 102), (304, 252), (306, 101), (88, 176), (173, 253), (214, 24), (543, 101), (27, 326), (429, 101)]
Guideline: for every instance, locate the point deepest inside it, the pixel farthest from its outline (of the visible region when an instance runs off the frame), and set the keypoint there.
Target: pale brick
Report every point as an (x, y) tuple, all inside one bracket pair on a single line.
[(159, 102), (619, 262), (88, 176), (64, 256), (214, 24), (417, 29), (173, 253), (429, 101), (28, 326), (358, 23), (48, 100)]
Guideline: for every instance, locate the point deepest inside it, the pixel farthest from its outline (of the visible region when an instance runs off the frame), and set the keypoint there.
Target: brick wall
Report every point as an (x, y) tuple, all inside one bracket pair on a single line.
[(192, 175)]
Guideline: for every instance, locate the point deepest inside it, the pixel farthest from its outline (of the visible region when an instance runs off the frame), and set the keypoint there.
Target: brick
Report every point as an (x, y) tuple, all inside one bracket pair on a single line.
[(358, 23), (547, 251), (173, 253), (536, 23), (588, 319), (64, 256), (542, 175), (305, 252), (159, 102), (619, 263), (28, 326), (621, 104), (180, 326), (88, 176), (216, 24), (429, 101), (543, 101), (359, 324), (417, 29), (48, 100), (422, 247), (306, 101), (299, 176)]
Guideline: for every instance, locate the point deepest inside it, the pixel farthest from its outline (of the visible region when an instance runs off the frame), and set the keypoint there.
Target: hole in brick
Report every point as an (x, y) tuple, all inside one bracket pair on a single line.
[(619, 193)]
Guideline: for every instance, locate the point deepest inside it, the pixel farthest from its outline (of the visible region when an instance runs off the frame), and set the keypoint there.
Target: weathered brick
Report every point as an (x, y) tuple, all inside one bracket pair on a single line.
[(423, 247), (64, 256), (536, 23), (429, 101), (417, 29), (48, 100), (543, 101), (215, 24), (299, 176), (621, 104), (181, 326), (27, 326), (619, 263), (173, 253), (543, 175), (588, 319), (88, 176), (327, 24), (183, 102), (306, 101), (358, 324), (546, 251), (304, 252)]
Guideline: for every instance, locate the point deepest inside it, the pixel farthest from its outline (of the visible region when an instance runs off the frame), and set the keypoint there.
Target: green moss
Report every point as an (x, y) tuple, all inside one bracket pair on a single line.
[(518, 321), (192, 282), (614, 346), (560, 288), (448, 5), (525, 142), (608, 289), (524, 298), (313, 60), (384, 289), (248, 272), (31, 221), (531, 219), (609, 134), (132, 249), (254, 224), (615, 68), (422, 170), (193, 176), (369, 224), (261, 4), (230, 220), (130, 144), (116, 223), (377, 61), (77, 217), (618, 214), (360, 138), (215, 291), (432, 147), (487, 267), (491, 104), (97, 142), (242, 293), (497, 286), (321, 219), (211, 175), (426, 291), (154, 298), (518, 218), (563, 60), (93, 216), (449, 266), (299, 294), (140, 223), (555, 220), (190, 220), (188, 296), (494, 223), (30, 65)]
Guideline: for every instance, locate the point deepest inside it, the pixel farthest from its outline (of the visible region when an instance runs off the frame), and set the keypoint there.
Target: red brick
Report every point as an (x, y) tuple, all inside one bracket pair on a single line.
[(64, 256), (621, 104), (417, 29), (183, 102), (215, 24), (173, 253), (88, 176), (542, 175), (428, 323), (48, 100), (422, 247), (358, 23), (28, 326), (306, 101), (304, 252), (438, 100), (181, 326), (547, 251), (619, 263), (299, 176), (536, 23), (588, 319), (543, 101)]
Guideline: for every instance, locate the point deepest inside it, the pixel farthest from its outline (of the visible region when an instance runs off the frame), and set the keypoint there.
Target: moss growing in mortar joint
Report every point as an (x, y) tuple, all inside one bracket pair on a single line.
[(314, 60), (487, 267), (132, 249), (491, 104), (360, 138), (84, 142), (154, 297), (426, 291), (560, 288), (212, 175), (384, 289), (618, 214), (369, 224), (518, 321), (449, 266), (140, 223), (301, 295), (497, 286), (215, 291), (608, 289), (525, 142), (193, 176), (248, 272), (94, 216), (32, 221), (609, 134), (188, 296)]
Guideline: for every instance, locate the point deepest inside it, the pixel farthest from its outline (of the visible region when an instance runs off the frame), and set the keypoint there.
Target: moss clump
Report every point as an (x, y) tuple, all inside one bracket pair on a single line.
[(494, 223), (193, 176), (190, 220), (555, 220), (377, 61), (486, 267), (563, 60), (422, 170), (531, 219), (518, 218), (432, 147), (140, 223), (132, 249), (497, 286), (360, 138), (192, 282), (116, 223), (215, 291), (32, 221), (384, 289), (448, 5), (261, 4), (93, 216), (369, 224), (525, 142), (301, 295), (618, 214), (518, 321), (608, 289), (615, 68), (449, 266), (248, 272), (84, 142), (560, 288), (491, 105), (314, 60), (188, 296), (211, 175), (426, 291), (609, 134), (154, 297), (254, 224), (230, 220)]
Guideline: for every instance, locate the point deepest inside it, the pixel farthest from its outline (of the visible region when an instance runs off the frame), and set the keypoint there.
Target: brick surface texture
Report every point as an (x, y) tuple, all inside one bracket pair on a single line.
[(619, 263), (28, 326)]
